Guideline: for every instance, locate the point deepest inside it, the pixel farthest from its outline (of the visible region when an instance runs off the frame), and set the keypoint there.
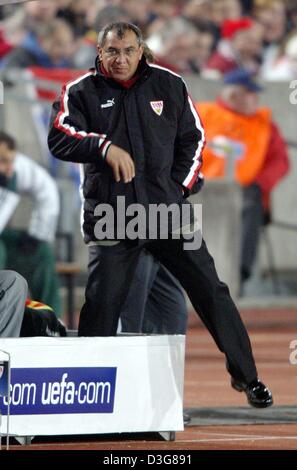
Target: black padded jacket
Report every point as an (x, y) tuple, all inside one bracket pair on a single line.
[(154, 120)]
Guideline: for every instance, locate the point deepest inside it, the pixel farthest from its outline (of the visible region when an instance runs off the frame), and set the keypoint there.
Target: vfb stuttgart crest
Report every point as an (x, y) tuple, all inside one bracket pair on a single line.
[(157, 107)]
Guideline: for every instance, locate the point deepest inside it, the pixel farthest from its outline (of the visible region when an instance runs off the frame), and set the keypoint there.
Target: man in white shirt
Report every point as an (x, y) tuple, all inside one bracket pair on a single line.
[(29, 252)]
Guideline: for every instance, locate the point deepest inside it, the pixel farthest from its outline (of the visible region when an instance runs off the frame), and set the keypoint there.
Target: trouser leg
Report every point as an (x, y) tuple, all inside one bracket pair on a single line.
[(13, 293), (166, 309), (36, 265), (211, 299), (43, 281), (2, 255), (111, 271), (133, 311), (155, 302), (252, 221)]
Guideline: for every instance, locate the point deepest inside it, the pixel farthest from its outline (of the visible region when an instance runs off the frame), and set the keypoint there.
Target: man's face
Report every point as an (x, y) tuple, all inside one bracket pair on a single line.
[(43, 10), (60, 46), (204, 47), (7, 158), (225, 9), (273, 20), (245, 101), (120, 57), (249, 42), (137, 10)]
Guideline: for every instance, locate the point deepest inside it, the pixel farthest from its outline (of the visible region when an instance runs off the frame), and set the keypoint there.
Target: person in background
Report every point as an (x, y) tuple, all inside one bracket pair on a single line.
[(30, 252), (292, 14), (247, 6), (5, 46), (181, 46), (27, 19), (284, 67), (40, 12), (243, 140), (140, 13), (50, 46), (271, 14), (76, 15), (240, 46), (223, 10)]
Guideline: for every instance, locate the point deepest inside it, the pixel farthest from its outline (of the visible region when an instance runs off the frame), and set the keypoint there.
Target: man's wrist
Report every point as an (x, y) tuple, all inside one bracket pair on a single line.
[(104, 148)]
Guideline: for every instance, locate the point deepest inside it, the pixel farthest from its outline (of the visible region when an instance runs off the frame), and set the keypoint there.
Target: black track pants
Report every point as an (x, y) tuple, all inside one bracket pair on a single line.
[(109, 283)]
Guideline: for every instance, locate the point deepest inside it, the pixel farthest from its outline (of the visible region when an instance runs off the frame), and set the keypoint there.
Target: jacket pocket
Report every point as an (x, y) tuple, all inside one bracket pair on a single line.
[(97, 186)]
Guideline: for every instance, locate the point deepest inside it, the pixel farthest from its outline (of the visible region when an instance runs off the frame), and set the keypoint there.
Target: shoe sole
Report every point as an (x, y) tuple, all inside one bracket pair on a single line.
[(263, 405)]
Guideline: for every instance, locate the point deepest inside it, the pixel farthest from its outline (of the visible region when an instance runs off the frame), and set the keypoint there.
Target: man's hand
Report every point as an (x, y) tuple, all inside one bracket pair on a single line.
[(121, 163)]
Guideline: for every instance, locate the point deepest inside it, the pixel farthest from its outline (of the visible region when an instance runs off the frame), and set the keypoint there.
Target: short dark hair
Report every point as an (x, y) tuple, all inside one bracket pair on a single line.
[(8, 140), (120, 27)]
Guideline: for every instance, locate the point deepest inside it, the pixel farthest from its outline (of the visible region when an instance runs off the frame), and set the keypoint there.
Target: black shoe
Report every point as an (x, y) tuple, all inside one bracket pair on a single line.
[(187, 419), (257, 393)]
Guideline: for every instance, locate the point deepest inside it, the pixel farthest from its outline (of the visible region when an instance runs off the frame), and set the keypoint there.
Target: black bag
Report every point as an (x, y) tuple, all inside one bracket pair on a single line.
[(40, 320)]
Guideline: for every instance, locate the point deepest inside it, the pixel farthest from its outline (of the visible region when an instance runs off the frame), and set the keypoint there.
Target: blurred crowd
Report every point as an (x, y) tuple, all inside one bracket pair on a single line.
[(205, 37)]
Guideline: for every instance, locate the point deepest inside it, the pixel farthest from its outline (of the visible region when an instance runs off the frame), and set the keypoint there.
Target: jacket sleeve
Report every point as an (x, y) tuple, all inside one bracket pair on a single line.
[(8, 203), (35, 181), (189, 144), (276, 164), (69, 138)]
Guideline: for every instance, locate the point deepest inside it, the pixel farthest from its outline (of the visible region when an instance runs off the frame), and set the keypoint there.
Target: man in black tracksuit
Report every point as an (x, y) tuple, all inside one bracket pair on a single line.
[(135, 130)]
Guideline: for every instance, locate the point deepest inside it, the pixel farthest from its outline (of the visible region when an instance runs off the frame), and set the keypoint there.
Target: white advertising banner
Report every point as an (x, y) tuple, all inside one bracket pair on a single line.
[(63, 386)]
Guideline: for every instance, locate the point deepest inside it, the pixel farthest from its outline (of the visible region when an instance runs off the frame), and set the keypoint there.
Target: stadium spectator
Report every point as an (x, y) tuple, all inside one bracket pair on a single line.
[(165, 9), (205, 46), (5, 46), (284, 67), (247, 6), (292, 14), (223, 10), (76, 13), (161, 12), (139, 12), (246, 49), (271, 14), (245, 144), (241, 46), (181, 46), (28, 18), (39, 12), (51, 46), (198, 10), (200, 14)]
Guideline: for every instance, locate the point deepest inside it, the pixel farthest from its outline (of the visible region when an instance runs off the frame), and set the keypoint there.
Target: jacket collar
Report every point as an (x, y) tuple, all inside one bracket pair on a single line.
[(142, 73)]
